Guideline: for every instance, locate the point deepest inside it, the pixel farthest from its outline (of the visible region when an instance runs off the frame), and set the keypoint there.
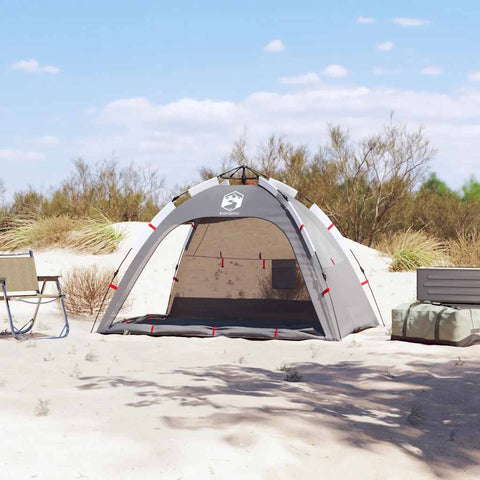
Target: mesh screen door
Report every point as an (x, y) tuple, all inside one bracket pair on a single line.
[(241, 270)]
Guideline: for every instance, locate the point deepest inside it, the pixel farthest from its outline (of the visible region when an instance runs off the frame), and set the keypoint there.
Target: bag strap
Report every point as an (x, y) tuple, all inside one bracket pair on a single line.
[(437, 323), (405, 320)]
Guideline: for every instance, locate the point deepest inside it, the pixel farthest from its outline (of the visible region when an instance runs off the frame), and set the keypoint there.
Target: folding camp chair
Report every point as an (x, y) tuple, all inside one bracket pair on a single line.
[(19, 281)]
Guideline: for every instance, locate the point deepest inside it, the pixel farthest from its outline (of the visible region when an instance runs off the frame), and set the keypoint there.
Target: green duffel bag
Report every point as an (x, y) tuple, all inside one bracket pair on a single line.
[(439, 324)]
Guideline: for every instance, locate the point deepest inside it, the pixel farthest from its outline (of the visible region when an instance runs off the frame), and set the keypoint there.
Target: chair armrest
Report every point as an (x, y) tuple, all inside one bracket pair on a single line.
[(48, 278)]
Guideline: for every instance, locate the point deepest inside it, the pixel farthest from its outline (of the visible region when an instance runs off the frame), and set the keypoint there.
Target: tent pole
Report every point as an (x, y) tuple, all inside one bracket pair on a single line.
[(106, 293), (369, 286)]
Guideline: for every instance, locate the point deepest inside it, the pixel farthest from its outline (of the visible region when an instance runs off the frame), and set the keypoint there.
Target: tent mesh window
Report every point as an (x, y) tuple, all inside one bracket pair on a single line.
[(240, 272)]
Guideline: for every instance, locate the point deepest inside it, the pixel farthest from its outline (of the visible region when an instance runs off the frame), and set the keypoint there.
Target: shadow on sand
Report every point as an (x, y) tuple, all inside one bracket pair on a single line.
[(429, 411)]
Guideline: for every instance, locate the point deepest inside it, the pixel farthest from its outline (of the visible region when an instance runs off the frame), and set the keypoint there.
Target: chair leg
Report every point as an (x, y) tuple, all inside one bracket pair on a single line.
[(13, 329), (66, 327), (18, 333), (42, 290)]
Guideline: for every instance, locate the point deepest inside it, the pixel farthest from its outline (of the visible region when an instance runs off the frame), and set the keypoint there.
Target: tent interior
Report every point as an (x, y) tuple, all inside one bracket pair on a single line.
[(233, 272)]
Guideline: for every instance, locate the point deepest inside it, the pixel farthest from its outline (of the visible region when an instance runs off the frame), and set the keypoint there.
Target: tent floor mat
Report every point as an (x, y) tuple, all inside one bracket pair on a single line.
[(161, 325)]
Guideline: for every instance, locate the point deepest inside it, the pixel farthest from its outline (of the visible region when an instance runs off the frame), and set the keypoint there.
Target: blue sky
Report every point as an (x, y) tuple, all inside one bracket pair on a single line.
[(174, 83)]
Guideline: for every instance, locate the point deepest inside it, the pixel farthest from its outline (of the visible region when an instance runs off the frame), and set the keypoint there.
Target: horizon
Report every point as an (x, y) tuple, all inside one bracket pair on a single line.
[(174, 87)]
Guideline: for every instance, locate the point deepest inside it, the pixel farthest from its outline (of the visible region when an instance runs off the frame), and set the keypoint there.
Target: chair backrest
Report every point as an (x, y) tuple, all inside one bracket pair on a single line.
[(20, 272)]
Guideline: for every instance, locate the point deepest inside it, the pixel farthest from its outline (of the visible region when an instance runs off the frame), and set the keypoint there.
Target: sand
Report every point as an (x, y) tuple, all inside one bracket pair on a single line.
[(95, 407)]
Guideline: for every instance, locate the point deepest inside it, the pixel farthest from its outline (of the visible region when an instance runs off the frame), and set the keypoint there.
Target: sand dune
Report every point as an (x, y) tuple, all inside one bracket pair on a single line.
[(97, 407)]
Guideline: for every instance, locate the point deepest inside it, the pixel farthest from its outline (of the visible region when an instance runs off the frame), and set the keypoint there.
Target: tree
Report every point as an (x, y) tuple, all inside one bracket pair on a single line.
[(471, 189), (371, 177), (435, 185), (363, 185), (122, 194)]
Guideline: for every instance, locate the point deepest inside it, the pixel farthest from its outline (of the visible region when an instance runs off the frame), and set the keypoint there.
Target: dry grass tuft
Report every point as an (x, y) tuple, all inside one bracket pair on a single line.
[(92, 235), (35, 233), (85, 288), (464, 251), (413, 249), (96, 235)]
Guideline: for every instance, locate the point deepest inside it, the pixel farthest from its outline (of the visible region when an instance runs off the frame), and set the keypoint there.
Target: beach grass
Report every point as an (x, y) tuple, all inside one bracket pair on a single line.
[(94, 235), (413, 249)]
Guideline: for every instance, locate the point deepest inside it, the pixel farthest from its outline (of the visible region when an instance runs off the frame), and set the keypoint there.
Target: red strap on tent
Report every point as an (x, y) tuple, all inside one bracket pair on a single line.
[(126, 320), (364, 283), (153, 327), (276, 333), (264, 263), (325, 291), (301, 226), (192, 225), (223, 263), (330, 227), (149, 316), (153, 227), (175, 279), (213, 331), (333, 261), (113, 286)]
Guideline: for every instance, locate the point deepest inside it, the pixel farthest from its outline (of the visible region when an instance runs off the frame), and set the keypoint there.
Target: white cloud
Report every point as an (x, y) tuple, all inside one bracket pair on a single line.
[(474, 77), (431, 70), (335, 71), (410, 22), (90, 110), (274, 46), (47, 141), (180, 136), (386, 71), (305, 79), (365, 20), (32, 66), (12, 155), (385, 46)]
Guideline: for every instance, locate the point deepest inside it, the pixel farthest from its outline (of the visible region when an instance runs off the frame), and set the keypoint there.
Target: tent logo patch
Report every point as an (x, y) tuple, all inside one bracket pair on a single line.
[(232, 201)]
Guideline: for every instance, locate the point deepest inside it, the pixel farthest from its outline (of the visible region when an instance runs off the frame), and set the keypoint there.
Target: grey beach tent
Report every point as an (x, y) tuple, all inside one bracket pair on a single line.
[(255, 263)]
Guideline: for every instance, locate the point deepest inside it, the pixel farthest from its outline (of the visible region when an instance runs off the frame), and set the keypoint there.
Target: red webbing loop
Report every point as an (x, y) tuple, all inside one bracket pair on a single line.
[(330, 227), (301, 226), (153, 227), (222, 263), (264, 263), (192, 225), (276, 333), (113, 286), (175, 279), (364, 283), (153, 327), (333, 261), (325, 291), (213, 331)]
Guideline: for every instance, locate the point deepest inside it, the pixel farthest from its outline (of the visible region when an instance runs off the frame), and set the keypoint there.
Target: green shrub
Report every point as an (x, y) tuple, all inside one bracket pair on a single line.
[(130, 193)]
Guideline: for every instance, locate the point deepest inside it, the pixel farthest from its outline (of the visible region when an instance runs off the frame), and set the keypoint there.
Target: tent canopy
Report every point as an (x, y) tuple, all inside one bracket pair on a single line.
[(256, 263)]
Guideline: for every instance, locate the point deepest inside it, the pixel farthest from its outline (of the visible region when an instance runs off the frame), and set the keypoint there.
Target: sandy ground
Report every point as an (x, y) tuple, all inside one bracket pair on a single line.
[(96, 407)]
